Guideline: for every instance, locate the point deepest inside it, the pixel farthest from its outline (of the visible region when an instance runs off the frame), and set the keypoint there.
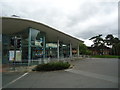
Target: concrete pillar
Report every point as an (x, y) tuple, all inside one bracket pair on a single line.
[(58, 53), (29, 47), (70, 50), (78, 52), (44, 46)]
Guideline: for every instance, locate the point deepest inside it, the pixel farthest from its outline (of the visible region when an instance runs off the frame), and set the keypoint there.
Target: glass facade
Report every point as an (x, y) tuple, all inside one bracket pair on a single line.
[(51, 50), (23, 46), (31, 45), (36, 47), (5, 48)]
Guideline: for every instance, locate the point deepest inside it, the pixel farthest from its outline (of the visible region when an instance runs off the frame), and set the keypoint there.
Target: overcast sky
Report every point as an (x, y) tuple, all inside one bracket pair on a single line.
[(80, 18)]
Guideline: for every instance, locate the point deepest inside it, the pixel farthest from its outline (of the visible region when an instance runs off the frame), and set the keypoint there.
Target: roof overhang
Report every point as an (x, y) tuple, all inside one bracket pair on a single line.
[(14, 25)]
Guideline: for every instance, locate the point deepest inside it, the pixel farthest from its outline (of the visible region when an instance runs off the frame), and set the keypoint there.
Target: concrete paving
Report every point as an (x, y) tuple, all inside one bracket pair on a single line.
[(106, 66), (8, 77), (87, 73)]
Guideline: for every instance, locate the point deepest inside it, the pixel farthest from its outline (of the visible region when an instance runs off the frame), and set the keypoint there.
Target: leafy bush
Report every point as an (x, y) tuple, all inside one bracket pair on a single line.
[(84, 50), (52, 66)]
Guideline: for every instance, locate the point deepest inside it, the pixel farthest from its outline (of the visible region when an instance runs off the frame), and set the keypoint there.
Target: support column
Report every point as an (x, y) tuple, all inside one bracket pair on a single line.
[(29, 47), (78, 52), (70, 50), (58, 53), (62, 50), (44, 46)]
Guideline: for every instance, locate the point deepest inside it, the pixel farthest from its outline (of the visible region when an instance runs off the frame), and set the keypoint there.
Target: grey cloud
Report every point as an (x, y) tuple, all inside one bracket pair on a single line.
[(88, 10), (85, 11), (96, 30)]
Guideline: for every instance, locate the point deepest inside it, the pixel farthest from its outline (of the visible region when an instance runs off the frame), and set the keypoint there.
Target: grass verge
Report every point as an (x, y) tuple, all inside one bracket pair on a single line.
[(105, 56)]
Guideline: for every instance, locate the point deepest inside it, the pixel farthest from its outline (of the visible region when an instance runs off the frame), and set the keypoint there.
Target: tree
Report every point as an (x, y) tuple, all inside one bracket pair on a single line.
[(109, 39), (98, 43), (118, 48), (83, 49), (116, 45), (112, 41)]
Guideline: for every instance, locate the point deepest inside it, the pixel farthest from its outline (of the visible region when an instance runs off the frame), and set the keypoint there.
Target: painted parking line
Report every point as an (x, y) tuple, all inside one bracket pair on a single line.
[(94, 75), (15, 80)]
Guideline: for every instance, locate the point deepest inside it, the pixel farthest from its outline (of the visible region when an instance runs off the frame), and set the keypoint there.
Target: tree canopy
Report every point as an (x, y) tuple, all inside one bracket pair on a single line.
[(83, 49), (110, 40)]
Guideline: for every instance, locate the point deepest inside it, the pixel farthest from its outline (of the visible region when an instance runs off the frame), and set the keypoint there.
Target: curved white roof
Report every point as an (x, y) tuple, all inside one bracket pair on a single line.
[(14, 25)]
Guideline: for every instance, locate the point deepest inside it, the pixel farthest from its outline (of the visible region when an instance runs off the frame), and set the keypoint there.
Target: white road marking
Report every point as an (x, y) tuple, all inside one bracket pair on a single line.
[(94, 75), (15, 80)]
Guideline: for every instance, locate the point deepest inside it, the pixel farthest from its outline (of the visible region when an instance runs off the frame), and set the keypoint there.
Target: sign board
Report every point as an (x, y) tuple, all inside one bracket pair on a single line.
[(11, 55), (18, 55)]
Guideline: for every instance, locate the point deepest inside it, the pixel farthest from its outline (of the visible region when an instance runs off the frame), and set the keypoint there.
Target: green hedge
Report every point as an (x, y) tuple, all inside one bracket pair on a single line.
[(52, 66), (105, 56)]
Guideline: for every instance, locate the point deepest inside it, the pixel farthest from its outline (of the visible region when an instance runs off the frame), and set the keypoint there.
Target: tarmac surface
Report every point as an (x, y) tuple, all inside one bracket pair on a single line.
[(86, 73)]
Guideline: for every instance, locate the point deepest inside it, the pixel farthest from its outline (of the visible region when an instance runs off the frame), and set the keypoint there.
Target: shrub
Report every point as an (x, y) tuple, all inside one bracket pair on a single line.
[(52, 66)]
